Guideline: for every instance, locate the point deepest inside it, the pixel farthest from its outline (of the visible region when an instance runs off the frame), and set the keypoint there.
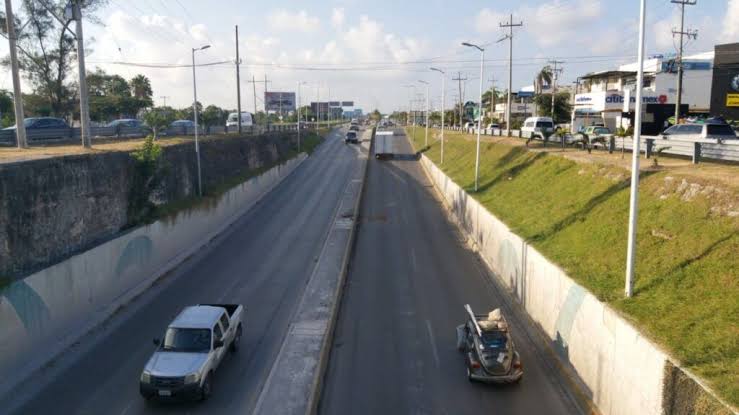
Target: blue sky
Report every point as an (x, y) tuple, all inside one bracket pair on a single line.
[(361, 50)]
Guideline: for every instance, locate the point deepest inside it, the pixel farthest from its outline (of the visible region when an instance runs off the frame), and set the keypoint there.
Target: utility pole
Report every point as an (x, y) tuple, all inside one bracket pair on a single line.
[(238, 79), (20, 127), (254, 85), (510, 25), (426, 137), (164, 100), (84, 104), (443, 102), (492, 81), (461, 97), (682, 32), (555, 74)]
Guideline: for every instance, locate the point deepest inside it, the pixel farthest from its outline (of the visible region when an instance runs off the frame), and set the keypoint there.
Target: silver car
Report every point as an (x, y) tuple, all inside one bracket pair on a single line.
[(694, 131)]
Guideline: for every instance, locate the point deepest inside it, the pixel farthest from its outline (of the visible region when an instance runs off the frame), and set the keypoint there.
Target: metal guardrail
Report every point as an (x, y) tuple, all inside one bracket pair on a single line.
[(709, 149), (48, 136)]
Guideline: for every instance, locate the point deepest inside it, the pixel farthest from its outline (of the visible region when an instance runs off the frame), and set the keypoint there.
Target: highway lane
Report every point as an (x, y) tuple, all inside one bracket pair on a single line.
[(263, 262), (411, 273)]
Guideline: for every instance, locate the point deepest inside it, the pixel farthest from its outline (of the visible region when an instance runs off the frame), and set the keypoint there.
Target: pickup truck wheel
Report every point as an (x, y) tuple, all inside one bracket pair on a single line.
[(237, 340), (469, 374), (207, 389)]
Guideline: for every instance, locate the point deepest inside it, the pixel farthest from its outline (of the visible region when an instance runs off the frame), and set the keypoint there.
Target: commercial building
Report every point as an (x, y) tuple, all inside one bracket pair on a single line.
[(725, 86), (608, 97)]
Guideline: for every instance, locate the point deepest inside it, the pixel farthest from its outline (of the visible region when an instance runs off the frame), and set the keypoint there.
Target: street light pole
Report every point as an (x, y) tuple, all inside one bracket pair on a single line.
[(443, 89), (84, 104), (479, 112), (426, 138), (634, 194), (195, 112)]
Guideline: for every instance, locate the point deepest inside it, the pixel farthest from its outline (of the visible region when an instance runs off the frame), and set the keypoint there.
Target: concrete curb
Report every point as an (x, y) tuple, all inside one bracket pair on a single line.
[(317, 387), (101, 318)]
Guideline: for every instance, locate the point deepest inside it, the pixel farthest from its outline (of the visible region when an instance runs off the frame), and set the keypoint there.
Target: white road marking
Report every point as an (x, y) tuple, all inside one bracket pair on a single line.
[(433, 344), (413, 258)]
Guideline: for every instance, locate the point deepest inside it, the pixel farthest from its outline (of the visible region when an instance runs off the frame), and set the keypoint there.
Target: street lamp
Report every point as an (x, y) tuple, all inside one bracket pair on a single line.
[(195, 112), (410, 106), (479, 116), (634, 193), (443, 87), (426, 139)]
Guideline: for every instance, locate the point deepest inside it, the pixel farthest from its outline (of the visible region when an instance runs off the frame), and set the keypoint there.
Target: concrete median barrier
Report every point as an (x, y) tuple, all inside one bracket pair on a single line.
[(45, 313)]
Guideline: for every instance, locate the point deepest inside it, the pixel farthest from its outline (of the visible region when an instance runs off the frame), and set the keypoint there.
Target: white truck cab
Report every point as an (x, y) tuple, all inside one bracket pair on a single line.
[(193, 347)]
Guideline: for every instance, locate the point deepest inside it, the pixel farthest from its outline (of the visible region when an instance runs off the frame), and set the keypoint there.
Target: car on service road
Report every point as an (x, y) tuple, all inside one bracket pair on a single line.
[(193, 348), (38, 123), (695, 131)]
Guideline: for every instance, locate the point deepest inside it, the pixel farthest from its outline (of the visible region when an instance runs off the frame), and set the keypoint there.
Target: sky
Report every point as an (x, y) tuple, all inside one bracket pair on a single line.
[(372, 52)]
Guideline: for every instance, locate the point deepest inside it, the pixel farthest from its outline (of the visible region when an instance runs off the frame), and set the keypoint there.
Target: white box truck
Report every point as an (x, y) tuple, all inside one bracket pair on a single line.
[(384, 145)]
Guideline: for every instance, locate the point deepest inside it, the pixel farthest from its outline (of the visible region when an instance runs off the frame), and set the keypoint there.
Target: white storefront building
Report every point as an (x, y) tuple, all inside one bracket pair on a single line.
[(602, 96)]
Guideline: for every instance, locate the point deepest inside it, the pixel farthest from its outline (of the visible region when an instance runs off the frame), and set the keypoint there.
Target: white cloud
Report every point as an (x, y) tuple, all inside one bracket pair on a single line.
[(283, 20), (730, 32), (337, 17), (559, 21), (488, 21)]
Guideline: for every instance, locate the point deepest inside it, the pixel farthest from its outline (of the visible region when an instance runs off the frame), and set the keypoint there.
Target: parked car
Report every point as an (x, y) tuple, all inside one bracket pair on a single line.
[(193, 348), (183, 124), (493, 125), (37, 123), (538, 127), (695, 131), (489, 352), (129, 126), (351, 137)]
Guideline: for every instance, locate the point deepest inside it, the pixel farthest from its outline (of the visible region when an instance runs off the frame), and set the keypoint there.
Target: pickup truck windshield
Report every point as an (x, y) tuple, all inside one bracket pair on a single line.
[(186, 340)]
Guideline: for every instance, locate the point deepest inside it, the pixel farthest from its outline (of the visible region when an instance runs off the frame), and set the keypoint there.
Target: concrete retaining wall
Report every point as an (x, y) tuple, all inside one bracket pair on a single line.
[(44, 313), (624, 373)]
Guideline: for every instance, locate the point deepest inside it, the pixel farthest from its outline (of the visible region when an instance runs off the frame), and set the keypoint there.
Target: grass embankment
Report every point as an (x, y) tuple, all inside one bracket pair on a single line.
[(687, 272)]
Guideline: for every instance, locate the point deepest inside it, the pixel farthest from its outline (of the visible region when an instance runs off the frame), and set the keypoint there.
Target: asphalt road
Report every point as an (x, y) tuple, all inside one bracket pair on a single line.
[(394, 346), (263, 262)]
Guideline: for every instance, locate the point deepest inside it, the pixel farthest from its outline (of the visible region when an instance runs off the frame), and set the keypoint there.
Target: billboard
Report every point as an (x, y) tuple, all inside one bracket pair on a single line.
[(281, 102), (347, 103), (725, 85), (334, 104)]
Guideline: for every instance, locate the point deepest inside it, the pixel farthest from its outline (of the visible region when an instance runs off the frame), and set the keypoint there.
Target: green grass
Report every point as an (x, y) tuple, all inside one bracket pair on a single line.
[(687, 273)]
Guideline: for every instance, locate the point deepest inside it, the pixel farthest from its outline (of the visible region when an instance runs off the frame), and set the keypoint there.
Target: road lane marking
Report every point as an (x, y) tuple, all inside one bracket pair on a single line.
[(413, 258), (433, 344)]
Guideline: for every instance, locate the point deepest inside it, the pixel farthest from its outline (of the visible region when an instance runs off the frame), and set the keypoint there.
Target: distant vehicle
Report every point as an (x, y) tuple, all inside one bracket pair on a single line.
[(128, 126), (38, 123), (595, 131), (183, 124), (193, 348), (694, 131), (351, 137), (538, 127), (125, 122), (490, 355), (354, 128), (233, 120), (384, 145), (469, 125), (493, 125)]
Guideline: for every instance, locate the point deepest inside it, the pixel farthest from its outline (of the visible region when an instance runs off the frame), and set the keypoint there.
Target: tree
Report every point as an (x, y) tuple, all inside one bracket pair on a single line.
[(159, 119), (47, 50), (375, 115), (111, 97), (213, 115), (7, 111), (141, 88), (562, 107), (543, 78)]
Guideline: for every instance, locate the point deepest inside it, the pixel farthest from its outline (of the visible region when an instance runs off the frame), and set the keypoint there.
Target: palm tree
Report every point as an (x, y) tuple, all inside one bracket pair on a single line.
[(141, 87), (544, 77)]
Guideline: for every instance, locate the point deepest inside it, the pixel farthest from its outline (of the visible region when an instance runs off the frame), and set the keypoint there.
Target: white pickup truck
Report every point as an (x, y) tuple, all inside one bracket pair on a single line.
[(193, 347)]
